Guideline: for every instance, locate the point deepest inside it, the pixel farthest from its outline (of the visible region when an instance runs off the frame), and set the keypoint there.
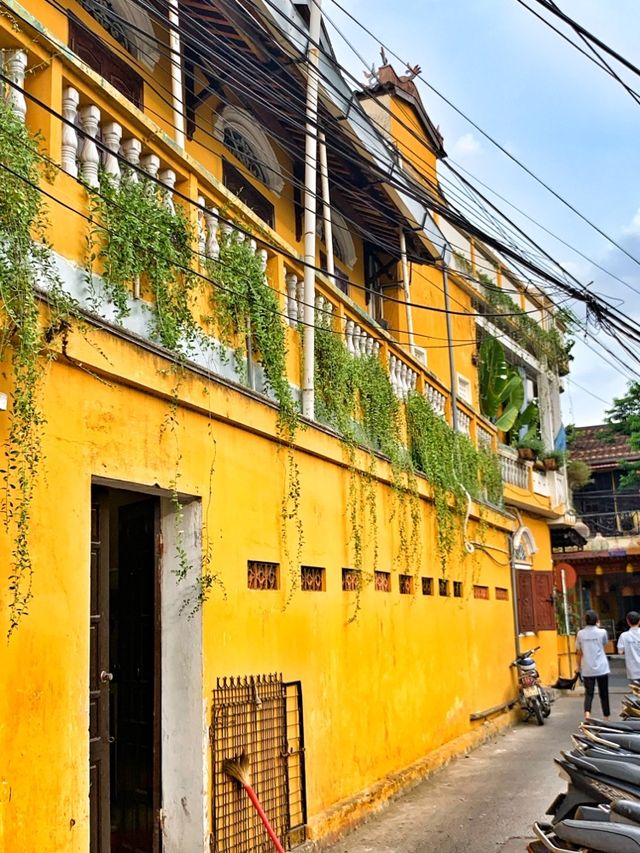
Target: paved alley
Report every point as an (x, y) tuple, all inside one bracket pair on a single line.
[(484, 802)]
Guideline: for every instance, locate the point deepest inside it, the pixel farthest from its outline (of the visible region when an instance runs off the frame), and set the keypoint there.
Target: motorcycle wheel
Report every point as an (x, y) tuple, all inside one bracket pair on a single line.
[(546, 704), (537, 711)]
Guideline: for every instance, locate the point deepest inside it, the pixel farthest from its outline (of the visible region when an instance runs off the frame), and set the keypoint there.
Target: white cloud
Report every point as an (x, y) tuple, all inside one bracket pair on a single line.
[(633, 228), (465, 145)]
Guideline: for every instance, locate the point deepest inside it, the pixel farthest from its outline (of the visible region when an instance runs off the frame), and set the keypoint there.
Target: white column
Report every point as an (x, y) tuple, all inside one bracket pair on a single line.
[(111, 136), (89, 157), (310, 183), (15, 64), (202, 230), (176, 72), (406, 287), (131, 150), (168, 178), (69, 146), (150, 163), (291, 280), (213, 246)]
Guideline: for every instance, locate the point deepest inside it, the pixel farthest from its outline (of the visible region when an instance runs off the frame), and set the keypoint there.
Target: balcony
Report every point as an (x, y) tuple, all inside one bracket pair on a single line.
[(92, 128)]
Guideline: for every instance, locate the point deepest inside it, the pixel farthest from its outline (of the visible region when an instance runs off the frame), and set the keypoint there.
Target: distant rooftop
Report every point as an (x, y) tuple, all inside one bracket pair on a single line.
[(598, 448)]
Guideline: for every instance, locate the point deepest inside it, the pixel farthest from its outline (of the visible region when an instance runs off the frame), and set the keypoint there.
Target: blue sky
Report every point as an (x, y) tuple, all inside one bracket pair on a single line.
[(565, 119)]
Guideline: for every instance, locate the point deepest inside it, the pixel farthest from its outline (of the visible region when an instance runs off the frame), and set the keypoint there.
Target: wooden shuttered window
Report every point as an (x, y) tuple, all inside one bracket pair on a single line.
[(534, 592)]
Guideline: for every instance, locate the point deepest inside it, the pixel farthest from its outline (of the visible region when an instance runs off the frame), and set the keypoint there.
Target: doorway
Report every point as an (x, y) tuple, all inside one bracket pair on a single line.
[(125, 712)]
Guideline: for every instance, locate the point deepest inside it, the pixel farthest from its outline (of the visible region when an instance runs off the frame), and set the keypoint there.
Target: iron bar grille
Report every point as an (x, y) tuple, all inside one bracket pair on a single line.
[(262, 717), (351, 580), (406, 584), (382, 581), (457, 589), (443, 586), (262, 575), (312, 578), (427, 586)]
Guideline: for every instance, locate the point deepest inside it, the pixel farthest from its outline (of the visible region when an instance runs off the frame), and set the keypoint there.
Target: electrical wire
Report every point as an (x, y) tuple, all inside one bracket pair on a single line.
[(488, 136)]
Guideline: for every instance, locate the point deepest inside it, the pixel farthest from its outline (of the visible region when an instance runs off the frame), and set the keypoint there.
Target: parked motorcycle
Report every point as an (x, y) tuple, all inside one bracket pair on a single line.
[(534, 699), (600, 810)]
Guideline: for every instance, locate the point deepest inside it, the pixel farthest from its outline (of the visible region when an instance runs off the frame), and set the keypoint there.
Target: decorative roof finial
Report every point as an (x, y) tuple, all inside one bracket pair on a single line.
[(383, 56)]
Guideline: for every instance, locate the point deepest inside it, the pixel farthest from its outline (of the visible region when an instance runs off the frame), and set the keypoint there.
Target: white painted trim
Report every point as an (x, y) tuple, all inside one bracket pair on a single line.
[(525, 536), (245, 124), (465, 389), (184, 728)]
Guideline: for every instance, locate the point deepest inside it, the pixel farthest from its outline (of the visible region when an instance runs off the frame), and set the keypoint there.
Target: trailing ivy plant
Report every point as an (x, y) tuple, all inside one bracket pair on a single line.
[(247, 315), (246, 308), (139, 239), (26, 262), (454, 467)]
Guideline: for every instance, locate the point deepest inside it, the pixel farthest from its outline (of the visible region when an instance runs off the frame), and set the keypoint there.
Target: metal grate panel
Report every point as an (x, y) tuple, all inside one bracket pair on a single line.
[(262, 575), (351, 580), (406, 584), (382, 581), (427, 586), (262, 717), (312, 578)]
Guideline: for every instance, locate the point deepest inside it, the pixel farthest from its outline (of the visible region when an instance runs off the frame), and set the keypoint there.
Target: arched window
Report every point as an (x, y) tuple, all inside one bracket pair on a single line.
[(524, 545), (246, 140), (344, 249), (129, 25)]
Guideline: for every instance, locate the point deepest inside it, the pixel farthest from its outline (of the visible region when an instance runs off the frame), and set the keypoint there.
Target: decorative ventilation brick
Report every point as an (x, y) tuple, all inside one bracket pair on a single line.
[(443, 587), (480, 591), (427, 586), (351, 580), (502, 594), (406, 584), (382, 581), (312, 578), (457, 589), (262, 575)]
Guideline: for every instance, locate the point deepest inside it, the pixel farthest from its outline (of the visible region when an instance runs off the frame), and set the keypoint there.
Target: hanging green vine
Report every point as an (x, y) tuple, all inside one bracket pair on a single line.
[(454, 467), (25, 262), (138, 239), (548, 345), (247, 315)]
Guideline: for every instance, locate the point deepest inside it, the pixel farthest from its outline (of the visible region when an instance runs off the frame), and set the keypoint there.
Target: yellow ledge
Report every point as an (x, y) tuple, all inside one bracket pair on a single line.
[(328, 827)]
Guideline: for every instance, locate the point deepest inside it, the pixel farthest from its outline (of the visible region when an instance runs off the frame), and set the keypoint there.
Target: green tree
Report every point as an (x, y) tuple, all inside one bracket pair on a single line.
[(623, 418)]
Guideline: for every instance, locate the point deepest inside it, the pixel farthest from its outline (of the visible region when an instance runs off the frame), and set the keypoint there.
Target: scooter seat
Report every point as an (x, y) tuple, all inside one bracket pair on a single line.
[(616, 725), (600, 835), (607, 767), (627, 808), (591, 813)]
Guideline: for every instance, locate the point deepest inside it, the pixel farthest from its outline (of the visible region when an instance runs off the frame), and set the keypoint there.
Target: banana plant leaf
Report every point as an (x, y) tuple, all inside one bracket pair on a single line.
[(501, 386)]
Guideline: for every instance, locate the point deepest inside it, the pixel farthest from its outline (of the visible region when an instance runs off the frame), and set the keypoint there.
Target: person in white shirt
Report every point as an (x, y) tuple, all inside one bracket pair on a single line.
[(593, 663), (629, 646)]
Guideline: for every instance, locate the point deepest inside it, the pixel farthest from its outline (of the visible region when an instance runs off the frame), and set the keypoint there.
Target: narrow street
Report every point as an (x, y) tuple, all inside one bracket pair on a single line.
[(484, 802)]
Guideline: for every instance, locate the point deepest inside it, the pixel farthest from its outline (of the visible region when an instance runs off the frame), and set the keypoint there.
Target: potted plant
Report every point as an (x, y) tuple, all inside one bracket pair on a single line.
[(529, 447), (553, 459), (578, 473)]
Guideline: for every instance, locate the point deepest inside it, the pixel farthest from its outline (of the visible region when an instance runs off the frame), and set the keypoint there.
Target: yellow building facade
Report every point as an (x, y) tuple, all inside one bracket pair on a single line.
[(184, 542)]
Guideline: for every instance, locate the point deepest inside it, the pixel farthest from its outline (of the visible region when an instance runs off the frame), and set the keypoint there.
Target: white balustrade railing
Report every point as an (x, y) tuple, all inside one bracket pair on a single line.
[(324, 312), (514, 471), (295, 297), (541, 484), (14, 67), (359, 342), (436, 398), (403, 378), (485, 439), (80, 155), (464, 423)]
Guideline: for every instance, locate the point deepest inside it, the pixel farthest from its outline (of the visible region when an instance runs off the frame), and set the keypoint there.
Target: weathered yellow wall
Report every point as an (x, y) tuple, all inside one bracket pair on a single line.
[(430, 659)]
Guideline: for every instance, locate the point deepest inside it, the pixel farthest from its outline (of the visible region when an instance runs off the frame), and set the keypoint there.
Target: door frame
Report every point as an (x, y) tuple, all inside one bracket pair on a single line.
[(184, 778)]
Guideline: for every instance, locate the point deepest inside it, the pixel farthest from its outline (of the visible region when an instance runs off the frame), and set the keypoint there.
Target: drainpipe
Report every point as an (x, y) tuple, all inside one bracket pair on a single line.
[(446, 256), (405, 284), (310, 184), (176, 73), (326, 206)]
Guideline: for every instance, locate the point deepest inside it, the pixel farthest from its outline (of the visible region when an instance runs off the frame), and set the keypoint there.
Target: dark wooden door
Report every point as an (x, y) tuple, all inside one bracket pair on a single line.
[(135, 650), (99, 682)]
